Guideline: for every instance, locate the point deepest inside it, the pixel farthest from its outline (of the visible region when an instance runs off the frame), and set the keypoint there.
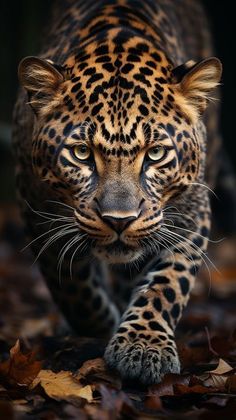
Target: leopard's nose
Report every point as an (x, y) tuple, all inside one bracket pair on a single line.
[(119, 223)]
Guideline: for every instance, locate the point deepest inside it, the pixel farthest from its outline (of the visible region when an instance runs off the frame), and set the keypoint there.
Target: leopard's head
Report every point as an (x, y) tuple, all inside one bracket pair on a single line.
[(118, 137)]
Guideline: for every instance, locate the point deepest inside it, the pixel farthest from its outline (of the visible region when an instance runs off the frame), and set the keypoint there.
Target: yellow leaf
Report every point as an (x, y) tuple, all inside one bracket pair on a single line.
[(62, 386)]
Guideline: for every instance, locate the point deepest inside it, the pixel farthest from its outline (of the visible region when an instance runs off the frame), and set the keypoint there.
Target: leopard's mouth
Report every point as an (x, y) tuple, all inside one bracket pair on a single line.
[(117, 252)]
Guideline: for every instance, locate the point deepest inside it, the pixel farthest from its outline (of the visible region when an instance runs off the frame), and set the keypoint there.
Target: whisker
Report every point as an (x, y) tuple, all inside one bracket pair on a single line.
[(202, 256), (61, 204), (161, 239), (63, 252), (62, 219), (194, 233), (46, 233), (180, 215), (44, 214), (173, 242), (198, 250), (74, 253), (205, 186), (54, 238)]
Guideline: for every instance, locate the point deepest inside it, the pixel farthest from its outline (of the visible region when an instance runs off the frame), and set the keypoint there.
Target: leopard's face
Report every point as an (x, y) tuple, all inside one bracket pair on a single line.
[(117, 153), (117, 137), (120, 190)]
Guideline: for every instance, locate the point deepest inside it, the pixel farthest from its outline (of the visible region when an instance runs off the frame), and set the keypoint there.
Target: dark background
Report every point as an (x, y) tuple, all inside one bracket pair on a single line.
[(22, 25)]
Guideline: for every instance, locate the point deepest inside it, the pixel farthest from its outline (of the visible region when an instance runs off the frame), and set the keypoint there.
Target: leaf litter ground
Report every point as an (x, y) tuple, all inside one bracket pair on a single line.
[(48, 374)]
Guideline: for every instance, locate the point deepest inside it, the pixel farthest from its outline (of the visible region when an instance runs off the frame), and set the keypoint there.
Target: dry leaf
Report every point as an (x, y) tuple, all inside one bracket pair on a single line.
[(92, 366), (181, 389), (166, 386), (222, 368), (20, 369), (62, 386), (217, 378), (95, 370)]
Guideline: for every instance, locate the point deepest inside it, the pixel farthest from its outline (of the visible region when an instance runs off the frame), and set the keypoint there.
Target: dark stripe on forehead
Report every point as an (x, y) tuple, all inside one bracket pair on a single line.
[(84, 131), (147, 130)]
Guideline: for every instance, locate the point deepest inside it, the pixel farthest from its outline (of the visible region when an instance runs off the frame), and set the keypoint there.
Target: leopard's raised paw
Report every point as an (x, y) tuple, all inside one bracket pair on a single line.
[(141, 361)]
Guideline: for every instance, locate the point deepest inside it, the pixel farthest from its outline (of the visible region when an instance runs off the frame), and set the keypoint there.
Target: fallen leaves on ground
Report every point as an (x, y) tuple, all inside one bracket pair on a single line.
[(20, 369), (62, 386)]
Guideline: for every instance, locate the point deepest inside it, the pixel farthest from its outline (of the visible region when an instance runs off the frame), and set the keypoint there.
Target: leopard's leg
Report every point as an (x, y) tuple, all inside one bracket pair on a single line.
[(143, 347), (123, 280), (82, 296)]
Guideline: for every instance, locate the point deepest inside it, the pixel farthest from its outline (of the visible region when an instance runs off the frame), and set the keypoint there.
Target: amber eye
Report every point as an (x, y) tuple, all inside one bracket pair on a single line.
[(81, 151), (156, 153)]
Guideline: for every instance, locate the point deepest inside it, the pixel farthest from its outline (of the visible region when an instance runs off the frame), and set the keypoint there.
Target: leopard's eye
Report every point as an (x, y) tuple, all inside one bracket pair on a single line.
[(81, 151), (156, 153)]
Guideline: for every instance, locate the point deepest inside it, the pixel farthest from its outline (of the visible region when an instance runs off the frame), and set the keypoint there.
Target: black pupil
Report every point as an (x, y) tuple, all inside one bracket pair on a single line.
[(155, 151), (83, 149)]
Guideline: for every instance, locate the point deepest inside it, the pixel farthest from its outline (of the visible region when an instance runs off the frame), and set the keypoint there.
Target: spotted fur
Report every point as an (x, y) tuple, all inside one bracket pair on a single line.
[(120, 82)]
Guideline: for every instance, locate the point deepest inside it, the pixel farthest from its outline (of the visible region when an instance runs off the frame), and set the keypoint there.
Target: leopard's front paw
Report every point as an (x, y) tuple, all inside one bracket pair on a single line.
[(143, 361)]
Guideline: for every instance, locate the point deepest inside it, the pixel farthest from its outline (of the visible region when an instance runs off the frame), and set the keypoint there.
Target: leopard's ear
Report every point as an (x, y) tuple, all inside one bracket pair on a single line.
[(195, 81), (42, 80)]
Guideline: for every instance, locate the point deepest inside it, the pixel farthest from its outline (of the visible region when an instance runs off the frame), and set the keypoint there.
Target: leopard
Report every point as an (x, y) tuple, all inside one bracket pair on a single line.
[(116, 141)]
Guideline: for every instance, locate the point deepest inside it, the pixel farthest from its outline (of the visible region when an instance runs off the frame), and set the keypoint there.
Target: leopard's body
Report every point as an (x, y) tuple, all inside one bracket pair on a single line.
[(129, 230)]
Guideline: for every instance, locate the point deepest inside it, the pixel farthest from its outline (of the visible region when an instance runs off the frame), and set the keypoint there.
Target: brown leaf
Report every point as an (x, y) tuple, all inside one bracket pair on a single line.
[(222, 368), (95, 370), (217, 378), (91, 367), (20, 369), (62, 386), (166, 386), (181, 389)]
